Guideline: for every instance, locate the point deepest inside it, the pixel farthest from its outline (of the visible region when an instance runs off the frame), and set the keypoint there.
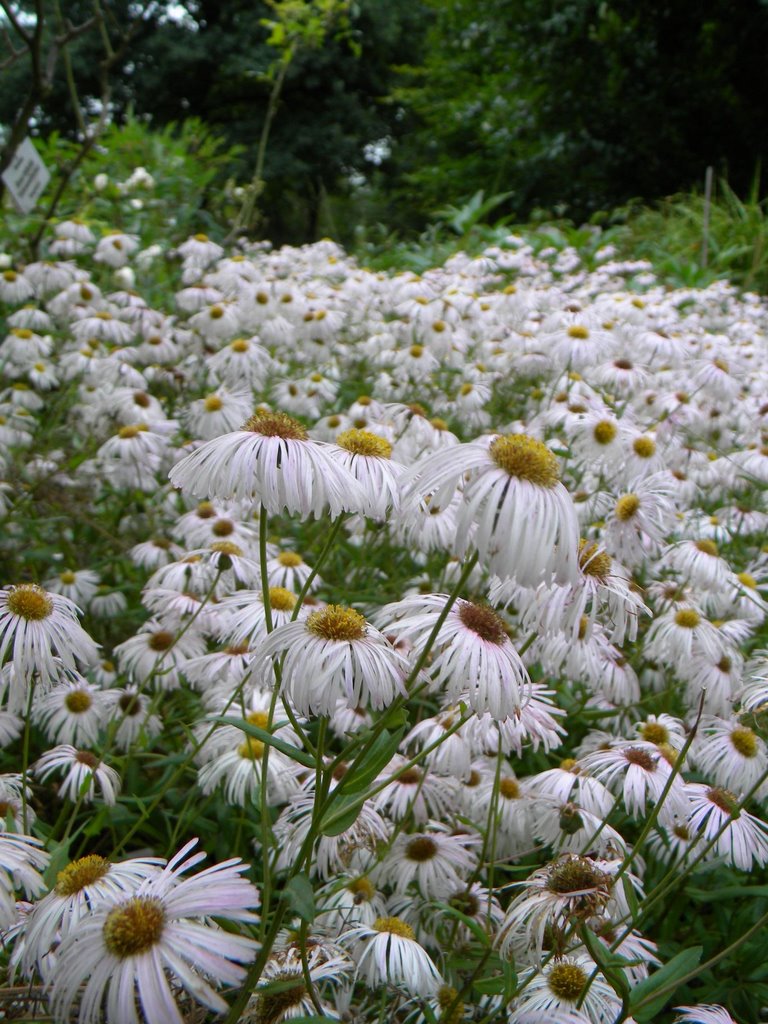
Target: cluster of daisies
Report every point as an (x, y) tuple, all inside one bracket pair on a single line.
[(452, 593)]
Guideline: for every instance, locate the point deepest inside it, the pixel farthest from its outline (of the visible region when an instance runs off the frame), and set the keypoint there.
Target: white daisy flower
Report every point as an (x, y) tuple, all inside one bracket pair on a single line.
[(356, 901), (271, 460), (335, 653), (730, 754), (367, 456), (217, 413), (158, 654), (72, 712), (704, 1013), (436, 860), (45, 635), (675, 637), (281, 993), (526, 524), (239, 772), (739, 838), (156, 941), (554, 992), (354, 849), (552, 899), (471, 653), (83, 771), (387, 953), (639, 773), (414, 791), (131, 710), (79, 888), (79, 585), (21, 861)]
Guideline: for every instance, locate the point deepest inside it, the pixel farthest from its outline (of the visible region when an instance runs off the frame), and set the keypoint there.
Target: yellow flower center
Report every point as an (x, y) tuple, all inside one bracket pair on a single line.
[(626, 507), (604, 432), (30, 602), (687, 618), (466, 389), (276, 424), (223, 528), (567, 981), (79, 873), (201, 238), (744, 741), (337, 623), (21, 332), (364, 442), (748, 580), (10, 276), (725, 800), (525, 458), (509, 788), (239, 345), (281, 599), (707, 547), (251, 750), (216, 312), (134, 927), (67, 577), (213, 403), (226, 547), (644, 447), (289, 559), (363, 889), (417, 351), (258, 718), (78, 701), (655, 732), (578, 331), (395, 926), (594, 562), (131, 431)]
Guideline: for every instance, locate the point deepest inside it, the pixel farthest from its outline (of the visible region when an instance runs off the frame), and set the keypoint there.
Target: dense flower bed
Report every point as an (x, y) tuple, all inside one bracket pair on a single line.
[(431, 605)]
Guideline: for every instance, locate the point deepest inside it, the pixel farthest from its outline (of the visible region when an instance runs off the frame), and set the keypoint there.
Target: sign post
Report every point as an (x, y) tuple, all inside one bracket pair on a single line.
[(26, 176)]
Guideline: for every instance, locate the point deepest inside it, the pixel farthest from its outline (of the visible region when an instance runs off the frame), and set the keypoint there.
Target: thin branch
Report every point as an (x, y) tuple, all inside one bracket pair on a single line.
[(17, 26)]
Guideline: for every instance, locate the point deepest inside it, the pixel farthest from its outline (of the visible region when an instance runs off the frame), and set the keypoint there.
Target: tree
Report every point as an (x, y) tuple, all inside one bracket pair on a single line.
[(583, 104)]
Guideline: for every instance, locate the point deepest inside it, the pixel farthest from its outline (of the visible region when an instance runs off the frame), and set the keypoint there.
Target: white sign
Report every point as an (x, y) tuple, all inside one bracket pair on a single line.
[(26, 176)]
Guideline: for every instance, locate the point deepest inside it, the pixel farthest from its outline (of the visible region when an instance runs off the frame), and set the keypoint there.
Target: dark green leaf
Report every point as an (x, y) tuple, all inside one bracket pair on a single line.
[(644, 1002), (295, 753), (301, 897), (369, 763), (341, 815)]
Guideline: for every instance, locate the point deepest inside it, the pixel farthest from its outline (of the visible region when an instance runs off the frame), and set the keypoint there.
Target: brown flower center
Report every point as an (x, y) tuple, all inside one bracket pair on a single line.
[(276, 424), (483, 621)]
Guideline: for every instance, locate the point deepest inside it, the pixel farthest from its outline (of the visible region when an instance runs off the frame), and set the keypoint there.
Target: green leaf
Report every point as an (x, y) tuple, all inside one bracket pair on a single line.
[(301, 897), (369, 763), (474, 925), (295, 753), (341, 815), (644, 1002), (610, 964), (728, 892)]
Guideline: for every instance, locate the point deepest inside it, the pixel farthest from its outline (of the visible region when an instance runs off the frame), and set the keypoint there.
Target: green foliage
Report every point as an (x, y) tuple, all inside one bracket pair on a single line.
[(188, 189), (672, 235), (578, 106)]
